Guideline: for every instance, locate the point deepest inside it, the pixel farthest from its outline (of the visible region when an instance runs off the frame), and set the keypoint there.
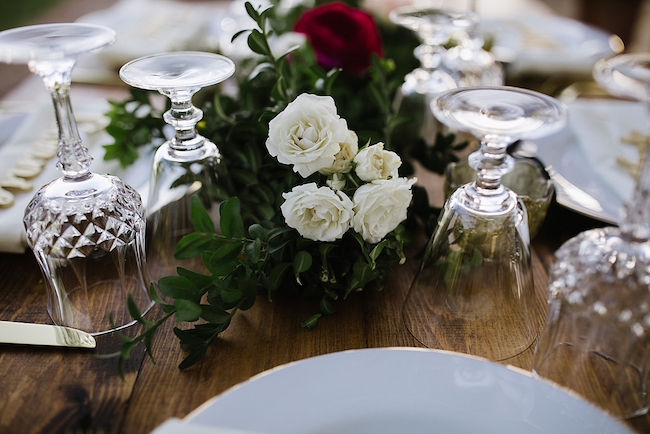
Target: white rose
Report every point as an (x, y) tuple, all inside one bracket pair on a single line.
[(307, 134), (336, 182), (380, 206), (343, 159), (317, 213), (374, 163)]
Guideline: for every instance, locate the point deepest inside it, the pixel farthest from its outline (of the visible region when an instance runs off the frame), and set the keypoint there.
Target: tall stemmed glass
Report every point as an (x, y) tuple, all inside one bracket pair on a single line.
[(597, 335), (187, 164), (86, 230), (469, 64), (474, 290), (433, 27)]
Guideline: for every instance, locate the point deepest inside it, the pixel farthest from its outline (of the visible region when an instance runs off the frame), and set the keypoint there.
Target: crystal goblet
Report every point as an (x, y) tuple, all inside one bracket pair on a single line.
[(86, 230), (474, 290), (469, 64), (187, 164), (597, 336), (433, 27)]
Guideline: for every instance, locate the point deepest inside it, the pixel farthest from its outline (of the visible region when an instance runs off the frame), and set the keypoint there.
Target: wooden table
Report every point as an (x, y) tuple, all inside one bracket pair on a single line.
[(67, 390), (64, 390)]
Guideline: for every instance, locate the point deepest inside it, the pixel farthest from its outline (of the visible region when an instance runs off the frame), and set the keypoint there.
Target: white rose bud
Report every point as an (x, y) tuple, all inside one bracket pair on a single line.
[(307, 134), (343, 159), (317, 213), (374, 163), (380, 206), (336, 182)]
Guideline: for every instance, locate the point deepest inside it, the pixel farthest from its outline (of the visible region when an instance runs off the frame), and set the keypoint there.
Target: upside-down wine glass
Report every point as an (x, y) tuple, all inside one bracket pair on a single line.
[(187, 164), (86, 230), (433, 27), (597, 335), (468, 63), (474, 290)]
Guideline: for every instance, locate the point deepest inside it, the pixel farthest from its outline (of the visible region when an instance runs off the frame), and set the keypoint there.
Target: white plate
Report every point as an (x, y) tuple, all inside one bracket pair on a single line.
[(582, 159), (400, 390), (548, 44)]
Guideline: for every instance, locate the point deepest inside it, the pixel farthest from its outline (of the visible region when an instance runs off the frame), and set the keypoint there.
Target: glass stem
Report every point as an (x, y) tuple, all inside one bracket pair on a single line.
[(74, 159), (183, 116), (635, 222), (431, 51), (491, 162)]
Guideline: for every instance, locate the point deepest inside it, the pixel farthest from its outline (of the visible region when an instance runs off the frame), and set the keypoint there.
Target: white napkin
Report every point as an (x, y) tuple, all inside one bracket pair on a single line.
[(599, 126), (547, 44), (40, 119), (146, 27)]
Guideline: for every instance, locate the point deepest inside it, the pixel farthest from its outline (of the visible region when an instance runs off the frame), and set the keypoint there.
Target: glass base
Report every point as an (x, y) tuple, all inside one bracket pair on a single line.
[(177, 176), (473, 67), (426, 82), (474, 291), (596, 340), (88, 238)]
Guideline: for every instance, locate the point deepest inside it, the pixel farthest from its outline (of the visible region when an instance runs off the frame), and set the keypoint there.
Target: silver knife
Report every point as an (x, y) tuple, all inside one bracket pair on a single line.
[(44, 334)]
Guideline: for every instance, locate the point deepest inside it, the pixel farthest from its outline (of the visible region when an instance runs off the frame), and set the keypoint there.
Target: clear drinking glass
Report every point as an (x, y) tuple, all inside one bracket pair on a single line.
[(597, 335), (187, 164), (86, 230), (469, 64), (474, 290), (433, 27)]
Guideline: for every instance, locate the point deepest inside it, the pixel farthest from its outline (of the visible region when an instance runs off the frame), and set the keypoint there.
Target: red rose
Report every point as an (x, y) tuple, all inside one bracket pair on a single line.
[(341, 36)]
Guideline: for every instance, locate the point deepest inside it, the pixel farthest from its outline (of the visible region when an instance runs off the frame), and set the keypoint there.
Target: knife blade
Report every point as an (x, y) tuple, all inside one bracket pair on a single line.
[(44, 334)]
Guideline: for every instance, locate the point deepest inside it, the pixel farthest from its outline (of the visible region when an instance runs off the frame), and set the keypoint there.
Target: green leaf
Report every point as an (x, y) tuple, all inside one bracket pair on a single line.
[(326, 306), (310, 322), (257, 42), (226, 254), (261, 68), (258, 232), (191, 245), (279, 91), (376, 251), (302, 262), (238, 34), (133, 308), (178, 287), (277, 274), (187, 310), (193, 358), (232, 225), (214, 315), (230, 295), (251, 11), (329, 81), (188, 338), (253, 250), (200, 217), (276, 232), (200, 280), (156, 298)]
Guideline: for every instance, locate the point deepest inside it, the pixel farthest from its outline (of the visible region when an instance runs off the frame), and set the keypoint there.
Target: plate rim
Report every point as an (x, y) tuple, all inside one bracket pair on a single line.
[(444, 353)]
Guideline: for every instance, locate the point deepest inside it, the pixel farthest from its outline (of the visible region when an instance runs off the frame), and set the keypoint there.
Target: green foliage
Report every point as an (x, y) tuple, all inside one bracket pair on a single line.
[(253, 251), (133, 124)]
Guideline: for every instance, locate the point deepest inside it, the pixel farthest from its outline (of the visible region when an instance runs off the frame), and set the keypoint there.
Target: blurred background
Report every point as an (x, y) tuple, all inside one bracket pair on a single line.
[(629, 19)]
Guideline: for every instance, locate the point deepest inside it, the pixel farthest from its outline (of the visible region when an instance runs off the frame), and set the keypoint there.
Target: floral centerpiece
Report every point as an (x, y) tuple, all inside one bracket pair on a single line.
[(316, 197)]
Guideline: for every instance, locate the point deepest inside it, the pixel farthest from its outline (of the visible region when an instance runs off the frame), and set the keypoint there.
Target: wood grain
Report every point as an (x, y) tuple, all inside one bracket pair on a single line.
[(65, 390)]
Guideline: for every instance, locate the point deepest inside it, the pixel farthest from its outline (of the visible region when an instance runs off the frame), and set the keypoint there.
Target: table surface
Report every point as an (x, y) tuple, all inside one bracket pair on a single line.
[(67, 390)]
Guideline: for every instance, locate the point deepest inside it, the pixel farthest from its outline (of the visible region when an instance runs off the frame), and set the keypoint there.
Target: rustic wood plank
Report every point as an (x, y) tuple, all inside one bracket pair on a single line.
[(54, 389)]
